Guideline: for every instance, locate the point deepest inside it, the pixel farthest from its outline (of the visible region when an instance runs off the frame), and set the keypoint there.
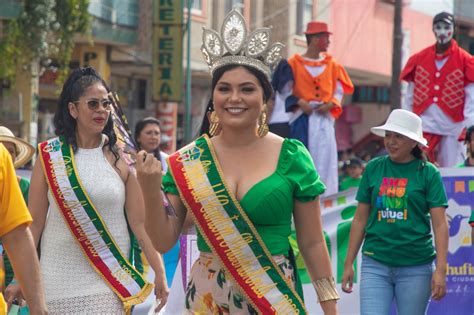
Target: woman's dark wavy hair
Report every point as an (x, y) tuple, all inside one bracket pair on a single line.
[(261, 77), (418, 153), (469, 134), (75, 86), (138, 129)]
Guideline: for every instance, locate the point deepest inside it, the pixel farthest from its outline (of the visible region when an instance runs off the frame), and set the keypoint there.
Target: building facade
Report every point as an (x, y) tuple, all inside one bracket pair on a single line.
[(122, 37)]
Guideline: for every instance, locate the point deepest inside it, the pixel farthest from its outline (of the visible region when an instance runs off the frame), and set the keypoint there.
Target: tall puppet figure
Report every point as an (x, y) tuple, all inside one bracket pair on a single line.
[(441, 92), (319, 84)]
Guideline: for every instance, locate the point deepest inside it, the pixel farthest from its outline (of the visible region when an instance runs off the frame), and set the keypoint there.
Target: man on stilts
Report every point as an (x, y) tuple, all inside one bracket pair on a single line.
[(441, 91), (319, 84)]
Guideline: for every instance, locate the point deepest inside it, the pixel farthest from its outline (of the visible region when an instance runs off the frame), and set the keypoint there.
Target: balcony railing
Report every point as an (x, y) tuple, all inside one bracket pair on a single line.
[(120, 12)]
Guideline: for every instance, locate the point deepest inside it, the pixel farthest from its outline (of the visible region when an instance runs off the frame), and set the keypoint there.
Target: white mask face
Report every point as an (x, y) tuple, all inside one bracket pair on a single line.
[(443, 32)]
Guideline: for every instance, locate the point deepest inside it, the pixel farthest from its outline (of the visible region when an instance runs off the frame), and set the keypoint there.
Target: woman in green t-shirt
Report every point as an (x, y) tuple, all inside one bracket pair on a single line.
[(398, 195)]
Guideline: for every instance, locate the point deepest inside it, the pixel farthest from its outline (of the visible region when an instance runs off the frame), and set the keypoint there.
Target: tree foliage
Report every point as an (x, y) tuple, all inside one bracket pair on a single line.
[(44, 30)]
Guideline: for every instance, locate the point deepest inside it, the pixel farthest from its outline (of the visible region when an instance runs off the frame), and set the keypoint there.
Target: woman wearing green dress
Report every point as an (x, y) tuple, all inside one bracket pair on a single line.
[(242, 186)]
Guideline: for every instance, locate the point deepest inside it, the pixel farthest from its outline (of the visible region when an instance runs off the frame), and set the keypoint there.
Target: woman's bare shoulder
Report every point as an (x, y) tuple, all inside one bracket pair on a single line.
[(274, 139), (117, 163)]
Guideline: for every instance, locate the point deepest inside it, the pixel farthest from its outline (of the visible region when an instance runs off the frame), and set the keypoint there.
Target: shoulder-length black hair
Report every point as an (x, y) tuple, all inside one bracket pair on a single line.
[(75, 86), (419, 154), (261, 77), (138, 129)]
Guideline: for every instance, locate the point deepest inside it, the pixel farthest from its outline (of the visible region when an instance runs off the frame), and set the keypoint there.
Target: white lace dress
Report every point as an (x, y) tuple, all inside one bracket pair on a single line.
[(72, 286)]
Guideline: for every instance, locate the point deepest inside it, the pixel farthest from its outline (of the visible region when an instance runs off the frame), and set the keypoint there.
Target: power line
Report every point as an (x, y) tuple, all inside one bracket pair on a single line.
[(355, 29), (323, 10), (275, 13), (285, 8)]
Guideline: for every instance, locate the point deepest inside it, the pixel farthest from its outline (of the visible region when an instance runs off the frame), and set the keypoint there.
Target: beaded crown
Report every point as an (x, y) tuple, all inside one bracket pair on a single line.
[(233, 46)]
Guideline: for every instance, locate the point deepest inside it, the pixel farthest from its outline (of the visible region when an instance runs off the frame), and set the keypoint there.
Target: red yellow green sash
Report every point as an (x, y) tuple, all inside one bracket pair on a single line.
[(87, 226), (229, 232)]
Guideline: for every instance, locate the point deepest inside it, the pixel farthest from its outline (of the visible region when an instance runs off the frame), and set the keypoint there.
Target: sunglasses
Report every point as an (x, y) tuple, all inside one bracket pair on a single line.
[(94, 104)]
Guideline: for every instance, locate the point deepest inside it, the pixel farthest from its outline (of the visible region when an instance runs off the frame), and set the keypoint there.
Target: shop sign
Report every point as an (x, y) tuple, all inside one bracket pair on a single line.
[(167, 51)]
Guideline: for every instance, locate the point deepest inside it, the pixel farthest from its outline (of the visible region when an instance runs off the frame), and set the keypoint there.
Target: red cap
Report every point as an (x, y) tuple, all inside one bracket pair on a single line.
[(316, 28)]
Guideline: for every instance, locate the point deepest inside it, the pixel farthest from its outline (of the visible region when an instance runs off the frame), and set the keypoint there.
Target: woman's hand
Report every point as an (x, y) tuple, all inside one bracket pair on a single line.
[(441, 234), (438, 284), (347, 278), (13, 292), (161, 291), (149, 171)]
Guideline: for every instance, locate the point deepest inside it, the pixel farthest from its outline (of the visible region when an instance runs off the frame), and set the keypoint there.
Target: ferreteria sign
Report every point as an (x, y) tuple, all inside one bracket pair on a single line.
[(167, 50)]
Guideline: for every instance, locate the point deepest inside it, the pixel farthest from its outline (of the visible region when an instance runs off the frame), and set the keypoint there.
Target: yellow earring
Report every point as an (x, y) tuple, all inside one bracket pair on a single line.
[(262, 127), (214, 126)]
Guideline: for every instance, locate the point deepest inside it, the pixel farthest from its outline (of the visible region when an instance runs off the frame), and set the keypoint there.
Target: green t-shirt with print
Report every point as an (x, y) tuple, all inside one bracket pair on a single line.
[(398, 230)]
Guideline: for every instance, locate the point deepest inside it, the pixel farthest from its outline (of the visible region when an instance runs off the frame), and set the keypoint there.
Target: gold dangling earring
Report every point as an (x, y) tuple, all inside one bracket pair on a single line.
[(214, 126), (262, 128)]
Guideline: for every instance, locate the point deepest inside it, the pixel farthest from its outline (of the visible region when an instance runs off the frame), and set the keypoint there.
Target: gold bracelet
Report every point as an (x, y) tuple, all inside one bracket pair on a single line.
[(326, 289)]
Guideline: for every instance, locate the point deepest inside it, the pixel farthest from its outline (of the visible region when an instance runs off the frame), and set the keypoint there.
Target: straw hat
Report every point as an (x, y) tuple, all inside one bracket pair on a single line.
[(24, 150), (405, 123)]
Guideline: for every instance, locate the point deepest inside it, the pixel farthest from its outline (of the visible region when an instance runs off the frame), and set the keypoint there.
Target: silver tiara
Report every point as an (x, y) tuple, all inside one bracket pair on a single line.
[(232, 46)]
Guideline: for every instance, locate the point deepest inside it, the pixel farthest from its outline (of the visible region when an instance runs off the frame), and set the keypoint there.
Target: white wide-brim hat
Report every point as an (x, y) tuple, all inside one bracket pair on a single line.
[(24, 150), (405, 123)]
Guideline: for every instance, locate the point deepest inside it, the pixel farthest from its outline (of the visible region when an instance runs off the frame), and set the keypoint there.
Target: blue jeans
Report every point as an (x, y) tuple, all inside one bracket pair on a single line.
[(380, 284)]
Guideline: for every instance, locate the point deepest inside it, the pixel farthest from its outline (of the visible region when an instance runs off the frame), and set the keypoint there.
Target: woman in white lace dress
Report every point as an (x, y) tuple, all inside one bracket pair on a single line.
[(72, 283)]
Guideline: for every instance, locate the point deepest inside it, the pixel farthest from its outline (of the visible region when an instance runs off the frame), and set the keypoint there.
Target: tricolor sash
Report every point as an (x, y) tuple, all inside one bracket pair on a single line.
[(86, 225), (229, 232)]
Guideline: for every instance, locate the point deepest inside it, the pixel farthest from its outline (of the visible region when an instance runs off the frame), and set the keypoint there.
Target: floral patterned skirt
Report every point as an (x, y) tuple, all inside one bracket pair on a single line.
[(211, 291)]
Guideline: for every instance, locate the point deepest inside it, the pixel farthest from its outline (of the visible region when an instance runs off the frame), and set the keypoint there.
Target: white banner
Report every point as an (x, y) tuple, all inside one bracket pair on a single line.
[(337, 212)]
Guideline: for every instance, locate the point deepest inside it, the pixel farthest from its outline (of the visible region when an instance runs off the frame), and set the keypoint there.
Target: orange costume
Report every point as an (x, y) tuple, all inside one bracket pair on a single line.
[(318, 82), (321, 88)]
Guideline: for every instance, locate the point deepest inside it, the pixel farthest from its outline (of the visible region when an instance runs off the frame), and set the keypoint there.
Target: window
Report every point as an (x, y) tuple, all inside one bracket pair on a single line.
[(237, 4), (141, 94), (371, 94), (122, 12), (304, 15), (196, 5)]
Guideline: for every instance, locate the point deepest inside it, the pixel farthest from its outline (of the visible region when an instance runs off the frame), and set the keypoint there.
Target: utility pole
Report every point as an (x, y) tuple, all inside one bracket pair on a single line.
[(188, 128), (397, 55)]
